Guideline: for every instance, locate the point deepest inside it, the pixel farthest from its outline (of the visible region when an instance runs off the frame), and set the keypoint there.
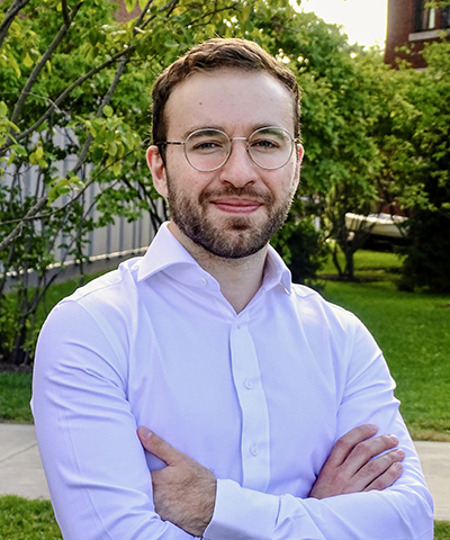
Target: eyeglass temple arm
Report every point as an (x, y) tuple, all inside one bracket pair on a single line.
[(167, 142)]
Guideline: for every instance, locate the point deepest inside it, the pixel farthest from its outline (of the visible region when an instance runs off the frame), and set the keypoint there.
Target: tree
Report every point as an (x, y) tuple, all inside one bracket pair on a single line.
[(301, 244), (341, 84), (414, 140), (67, 66)]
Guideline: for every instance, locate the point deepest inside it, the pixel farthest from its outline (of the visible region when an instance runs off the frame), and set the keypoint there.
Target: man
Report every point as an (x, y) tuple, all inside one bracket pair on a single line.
[(263, 400)]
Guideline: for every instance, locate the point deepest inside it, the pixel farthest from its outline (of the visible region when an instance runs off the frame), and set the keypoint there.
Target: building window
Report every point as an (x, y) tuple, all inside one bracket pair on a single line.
[(427, 18), (445, 17)]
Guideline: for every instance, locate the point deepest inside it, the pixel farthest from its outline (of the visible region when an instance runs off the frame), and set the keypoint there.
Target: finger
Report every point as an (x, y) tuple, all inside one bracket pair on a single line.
[(386, 480), (345, 444), (157, 446), (377, 467), (363, 452)]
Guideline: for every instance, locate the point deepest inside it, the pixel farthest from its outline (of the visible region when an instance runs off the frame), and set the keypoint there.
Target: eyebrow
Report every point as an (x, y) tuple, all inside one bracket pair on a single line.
[(205, 131), (252, 129)]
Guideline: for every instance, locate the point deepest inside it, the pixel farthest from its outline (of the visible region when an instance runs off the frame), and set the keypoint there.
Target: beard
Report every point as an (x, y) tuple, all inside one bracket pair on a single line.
[(234, 237)]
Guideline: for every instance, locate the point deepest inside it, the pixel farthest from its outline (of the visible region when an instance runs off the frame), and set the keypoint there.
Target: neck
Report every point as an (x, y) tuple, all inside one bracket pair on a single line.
[(239, 279)]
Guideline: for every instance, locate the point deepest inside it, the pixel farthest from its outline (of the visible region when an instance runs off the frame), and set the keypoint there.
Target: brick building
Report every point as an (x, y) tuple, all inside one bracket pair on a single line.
[(410, 23)]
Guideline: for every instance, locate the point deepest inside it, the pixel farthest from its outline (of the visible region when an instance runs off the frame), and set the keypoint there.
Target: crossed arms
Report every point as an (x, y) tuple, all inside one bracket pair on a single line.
[(88, 404), (184, 491)]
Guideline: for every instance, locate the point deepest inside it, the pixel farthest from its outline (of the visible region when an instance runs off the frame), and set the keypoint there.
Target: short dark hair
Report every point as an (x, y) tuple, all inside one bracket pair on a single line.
[(215, 54)]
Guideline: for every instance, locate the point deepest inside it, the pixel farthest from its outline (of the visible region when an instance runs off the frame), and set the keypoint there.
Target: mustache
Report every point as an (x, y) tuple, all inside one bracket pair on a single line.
[(232, 191)]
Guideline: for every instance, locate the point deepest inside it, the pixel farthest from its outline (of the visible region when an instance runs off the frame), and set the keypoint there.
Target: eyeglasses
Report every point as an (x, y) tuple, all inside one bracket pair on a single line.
[(208, 149)]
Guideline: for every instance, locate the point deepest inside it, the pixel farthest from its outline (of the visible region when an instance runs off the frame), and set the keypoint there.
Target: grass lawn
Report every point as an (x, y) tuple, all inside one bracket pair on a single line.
[(21, 519), (413, 330), (15, 395)]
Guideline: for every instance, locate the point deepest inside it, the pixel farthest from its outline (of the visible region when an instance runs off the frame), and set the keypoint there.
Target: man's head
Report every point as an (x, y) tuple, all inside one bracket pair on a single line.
[(214, 54), (225, 155)]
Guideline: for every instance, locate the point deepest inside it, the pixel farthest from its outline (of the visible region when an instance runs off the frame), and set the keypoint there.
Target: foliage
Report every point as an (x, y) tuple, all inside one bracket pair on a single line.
[(413, 136), (340, 86), (301, 245), (69, 68), (70, 71)]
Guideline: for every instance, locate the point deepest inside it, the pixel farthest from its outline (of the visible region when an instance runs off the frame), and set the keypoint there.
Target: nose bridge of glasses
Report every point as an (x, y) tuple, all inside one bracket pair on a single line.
[(244, 139), (247, 146)]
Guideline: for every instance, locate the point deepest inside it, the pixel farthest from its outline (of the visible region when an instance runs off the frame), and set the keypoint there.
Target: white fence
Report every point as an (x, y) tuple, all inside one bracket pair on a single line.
[(105, 246)]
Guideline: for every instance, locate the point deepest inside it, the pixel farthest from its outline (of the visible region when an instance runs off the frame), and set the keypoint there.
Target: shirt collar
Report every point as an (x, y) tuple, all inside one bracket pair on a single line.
[(276, 272), (165, 253)]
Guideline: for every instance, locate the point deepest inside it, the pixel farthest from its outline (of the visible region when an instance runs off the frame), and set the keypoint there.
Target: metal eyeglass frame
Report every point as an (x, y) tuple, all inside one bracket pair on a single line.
[(294, 141)]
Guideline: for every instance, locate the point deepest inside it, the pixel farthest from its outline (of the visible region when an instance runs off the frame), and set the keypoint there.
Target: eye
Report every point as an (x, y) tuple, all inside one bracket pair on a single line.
[(206, 146), (265, 143), (206, 142), (269, 141)]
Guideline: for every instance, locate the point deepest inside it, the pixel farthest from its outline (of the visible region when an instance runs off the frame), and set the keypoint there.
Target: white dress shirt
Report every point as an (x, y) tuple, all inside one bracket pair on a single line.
[(259, 397)]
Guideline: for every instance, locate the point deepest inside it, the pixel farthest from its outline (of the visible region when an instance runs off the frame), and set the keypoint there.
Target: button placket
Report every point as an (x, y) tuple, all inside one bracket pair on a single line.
[(255, 446)]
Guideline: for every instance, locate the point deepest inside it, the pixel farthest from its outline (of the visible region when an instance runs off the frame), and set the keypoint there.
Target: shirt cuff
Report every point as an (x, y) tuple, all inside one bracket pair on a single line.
[(241, 513)]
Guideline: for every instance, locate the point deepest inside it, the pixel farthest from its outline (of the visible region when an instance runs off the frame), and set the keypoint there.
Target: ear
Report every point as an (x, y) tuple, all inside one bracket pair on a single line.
[(156, 165), (301, 153)]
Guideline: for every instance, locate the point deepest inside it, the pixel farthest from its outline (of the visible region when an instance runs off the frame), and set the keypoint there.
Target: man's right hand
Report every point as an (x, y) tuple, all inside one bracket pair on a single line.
[(352, 466)]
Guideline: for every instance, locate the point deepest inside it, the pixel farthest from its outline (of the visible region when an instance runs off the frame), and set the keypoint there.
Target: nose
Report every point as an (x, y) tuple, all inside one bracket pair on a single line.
[(239, 169)]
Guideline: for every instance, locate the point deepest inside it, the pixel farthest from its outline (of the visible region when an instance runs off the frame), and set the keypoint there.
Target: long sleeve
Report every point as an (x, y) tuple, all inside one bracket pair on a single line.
[(257, 397), (402, 512), (98, 477)]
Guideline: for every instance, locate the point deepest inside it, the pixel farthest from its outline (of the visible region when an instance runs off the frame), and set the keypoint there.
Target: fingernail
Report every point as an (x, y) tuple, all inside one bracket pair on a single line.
[(393, 438), (145, 432)]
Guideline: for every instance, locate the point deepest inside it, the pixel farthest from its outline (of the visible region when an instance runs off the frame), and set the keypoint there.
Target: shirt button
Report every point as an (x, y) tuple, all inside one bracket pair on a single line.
[(203, 281), (254, 450), (248, 384)]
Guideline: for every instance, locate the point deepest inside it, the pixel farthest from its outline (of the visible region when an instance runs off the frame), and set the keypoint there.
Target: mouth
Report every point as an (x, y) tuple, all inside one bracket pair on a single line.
[(236, 205)]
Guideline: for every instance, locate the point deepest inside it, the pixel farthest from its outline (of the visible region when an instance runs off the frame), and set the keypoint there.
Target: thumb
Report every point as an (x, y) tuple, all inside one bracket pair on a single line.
[(157, 446)]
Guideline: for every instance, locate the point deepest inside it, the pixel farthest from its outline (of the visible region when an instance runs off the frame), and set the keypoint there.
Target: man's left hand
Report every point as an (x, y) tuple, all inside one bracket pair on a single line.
[(184, 492)]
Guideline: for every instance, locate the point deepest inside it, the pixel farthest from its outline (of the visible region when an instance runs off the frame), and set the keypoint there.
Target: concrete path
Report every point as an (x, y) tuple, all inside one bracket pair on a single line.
[(21, 469), (435, 460)]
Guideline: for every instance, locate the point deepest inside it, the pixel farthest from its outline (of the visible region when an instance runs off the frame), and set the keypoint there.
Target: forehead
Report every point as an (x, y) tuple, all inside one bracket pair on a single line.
[(235, 101)]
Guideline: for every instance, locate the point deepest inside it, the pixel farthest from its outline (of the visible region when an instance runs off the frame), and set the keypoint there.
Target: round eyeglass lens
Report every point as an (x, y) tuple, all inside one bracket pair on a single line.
[(270, 148), (207, 149)]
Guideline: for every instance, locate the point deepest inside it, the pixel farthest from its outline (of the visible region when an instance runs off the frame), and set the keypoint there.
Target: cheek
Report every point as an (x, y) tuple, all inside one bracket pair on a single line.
[(186, 181), (286, 184), (295, 177)]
